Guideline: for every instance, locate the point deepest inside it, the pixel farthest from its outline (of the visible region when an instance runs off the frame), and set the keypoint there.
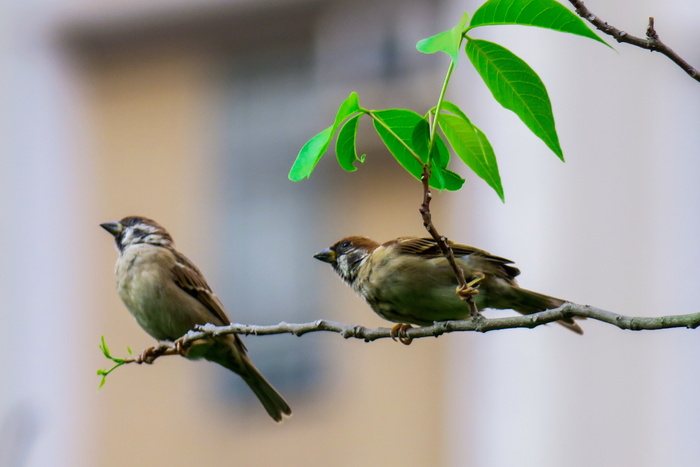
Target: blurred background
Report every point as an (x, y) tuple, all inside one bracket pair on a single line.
[(192, 113)]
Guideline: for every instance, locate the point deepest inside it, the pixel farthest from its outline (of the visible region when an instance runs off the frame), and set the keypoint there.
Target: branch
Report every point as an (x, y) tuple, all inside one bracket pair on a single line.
[(475, 324), (651, 42), (464, 290)]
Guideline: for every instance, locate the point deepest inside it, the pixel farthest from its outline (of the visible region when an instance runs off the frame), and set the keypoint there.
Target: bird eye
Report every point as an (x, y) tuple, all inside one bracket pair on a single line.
[(345, 244)]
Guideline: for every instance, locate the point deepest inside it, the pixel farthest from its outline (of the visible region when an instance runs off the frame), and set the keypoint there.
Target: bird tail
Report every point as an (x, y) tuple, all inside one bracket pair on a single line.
[(529, 302), (273, 402), (234, 358)]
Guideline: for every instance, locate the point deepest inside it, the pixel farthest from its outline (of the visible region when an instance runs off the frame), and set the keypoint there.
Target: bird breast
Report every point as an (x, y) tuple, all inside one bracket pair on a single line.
[(145, 285)]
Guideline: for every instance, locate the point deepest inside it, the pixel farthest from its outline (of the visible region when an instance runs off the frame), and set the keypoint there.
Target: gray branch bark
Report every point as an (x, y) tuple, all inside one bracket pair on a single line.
[(650, 42), (475, 324)]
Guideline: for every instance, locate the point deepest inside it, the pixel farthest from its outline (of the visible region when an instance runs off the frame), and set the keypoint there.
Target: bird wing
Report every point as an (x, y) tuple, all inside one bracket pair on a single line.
[(429, 249), (189, 278)]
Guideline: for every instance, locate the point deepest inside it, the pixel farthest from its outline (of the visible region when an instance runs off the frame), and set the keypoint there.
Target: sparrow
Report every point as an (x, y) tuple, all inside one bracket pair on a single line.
[(409, 281), (168, 296)]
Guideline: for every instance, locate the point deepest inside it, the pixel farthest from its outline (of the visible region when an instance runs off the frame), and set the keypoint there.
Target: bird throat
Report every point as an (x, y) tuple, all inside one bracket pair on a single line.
[(348, 265)]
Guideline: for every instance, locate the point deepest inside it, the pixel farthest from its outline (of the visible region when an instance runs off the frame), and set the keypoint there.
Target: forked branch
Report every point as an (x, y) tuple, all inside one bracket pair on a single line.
[(650, 42)]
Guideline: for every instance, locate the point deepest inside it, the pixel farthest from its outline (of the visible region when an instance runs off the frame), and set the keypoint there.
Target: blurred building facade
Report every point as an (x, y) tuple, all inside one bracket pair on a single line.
[(192, 114)]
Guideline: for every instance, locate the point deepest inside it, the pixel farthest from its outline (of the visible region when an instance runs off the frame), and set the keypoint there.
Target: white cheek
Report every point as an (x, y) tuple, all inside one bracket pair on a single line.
[(129, 238), (343, 266)]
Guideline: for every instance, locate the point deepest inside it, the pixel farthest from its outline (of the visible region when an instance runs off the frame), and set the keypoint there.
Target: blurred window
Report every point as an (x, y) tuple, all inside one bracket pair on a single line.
[(268, 222)]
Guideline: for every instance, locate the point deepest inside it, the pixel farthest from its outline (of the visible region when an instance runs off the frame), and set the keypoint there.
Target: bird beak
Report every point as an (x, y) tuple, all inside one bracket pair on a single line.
[(327, 256), (114, 228)]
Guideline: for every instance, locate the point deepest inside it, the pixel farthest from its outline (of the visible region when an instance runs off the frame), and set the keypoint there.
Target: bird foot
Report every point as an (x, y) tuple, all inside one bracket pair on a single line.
[(398, 332), (471, 289), (149, 355), (182, 347)]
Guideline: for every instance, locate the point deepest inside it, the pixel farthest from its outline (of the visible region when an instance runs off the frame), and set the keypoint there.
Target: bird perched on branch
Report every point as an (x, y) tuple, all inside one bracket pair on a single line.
[(168, 296), (409, 280)]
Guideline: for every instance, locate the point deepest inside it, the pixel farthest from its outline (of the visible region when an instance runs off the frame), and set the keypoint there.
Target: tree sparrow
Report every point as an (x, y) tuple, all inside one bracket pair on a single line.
[(408, 280), (168, 296)]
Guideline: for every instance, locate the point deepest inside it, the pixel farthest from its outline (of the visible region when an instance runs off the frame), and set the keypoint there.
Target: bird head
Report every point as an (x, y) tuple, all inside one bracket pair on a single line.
[(134, 230), (347, 255)]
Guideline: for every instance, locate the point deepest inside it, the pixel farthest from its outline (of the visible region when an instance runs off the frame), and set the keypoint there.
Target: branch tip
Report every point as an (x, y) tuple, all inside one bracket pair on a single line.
[(652, 41)]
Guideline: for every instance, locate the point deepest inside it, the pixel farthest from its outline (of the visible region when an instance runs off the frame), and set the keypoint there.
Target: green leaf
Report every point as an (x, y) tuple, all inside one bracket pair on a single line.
[(453, 181), (439, 155), (444, 178), (472, 146), (541, 13), (313, 150), (345, 146), (447, 41), (397, 128), (454, 108), (310, 154), (117, 362), (104, 348), (347, 108), (516, 87), (420, 137)]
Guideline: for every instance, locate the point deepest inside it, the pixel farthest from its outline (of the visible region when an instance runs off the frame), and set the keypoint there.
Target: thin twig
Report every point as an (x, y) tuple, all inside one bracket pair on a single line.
[(474, 324), (442, 242), (651, 42)]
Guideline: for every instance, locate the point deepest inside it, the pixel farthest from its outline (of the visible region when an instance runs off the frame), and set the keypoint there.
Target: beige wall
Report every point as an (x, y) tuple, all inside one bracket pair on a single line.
[(376, 403)]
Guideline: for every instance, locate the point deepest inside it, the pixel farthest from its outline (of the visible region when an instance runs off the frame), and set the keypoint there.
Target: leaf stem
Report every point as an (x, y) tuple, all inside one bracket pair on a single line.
[(438, 107)]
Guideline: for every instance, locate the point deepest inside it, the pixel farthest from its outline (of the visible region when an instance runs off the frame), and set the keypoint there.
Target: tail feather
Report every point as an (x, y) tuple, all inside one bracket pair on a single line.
[(233, 356), (273, 402), (529, 302)]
